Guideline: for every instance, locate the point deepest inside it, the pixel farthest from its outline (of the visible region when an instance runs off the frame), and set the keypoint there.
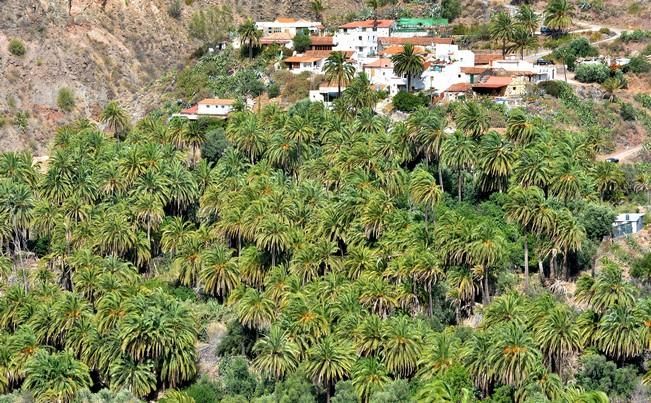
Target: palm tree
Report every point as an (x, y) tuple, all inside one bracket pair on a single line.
[(501, 29), (459, 152), (611, 85), (558, 15), (328, 361), (424, 191), (137, 377), (255, 310), (375, 5), (408, 63), (369, 376), (55, 377), (477, 360), (276, 354), (402, 346), (527, 19), (521, 41), (249, 35), (472, 119), (558, 336), (338, 69), (526, 206), (620, 333), (219, 272), (608, 177), (115, 118), (513, 355), (318, 7), (520, 128), (496, 161), (569, 236)]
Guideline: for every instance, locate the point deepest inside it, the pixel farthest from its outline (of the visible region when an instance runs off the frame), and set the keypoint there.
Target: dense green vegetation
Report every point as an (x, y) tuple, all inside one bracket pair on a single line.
[(347, 254)]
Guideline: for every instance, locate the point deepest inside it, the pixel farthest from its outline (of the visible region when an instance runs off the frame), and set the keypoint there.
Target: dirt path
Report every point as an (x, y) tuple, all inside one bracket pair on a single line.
[(623, 155)]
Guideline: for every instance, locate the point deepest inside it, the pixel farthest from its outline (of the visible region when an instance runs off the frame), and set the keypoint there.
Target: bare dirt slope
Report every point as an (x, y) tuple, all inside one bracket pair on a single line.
[(102, 54)]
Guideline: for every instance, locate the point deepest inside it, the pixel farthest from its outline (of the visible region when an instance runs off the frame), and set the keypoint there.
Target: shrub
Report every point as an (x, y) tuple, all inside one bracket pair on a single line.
[(3, 121), (641, 268), (302, 42), (273, 90), (450, 9), (204, 391), (592, 73), (638, 64), (407, 102), (554, 87), (66, 99), (21, 120), (213, 148), (604, 30), (644, 99), (627, 112), (175, 9), (598, 373), (17, 47)]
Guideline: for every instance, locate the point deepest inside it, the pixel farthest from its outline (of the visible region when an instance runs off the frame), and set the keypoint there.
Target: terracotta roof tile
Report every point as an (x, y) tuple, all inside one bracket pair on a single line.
[(322, 40), (494, 82), (303, 59), (474, 70), (369, 24), (380, 63), (459, 87), (486, 58)]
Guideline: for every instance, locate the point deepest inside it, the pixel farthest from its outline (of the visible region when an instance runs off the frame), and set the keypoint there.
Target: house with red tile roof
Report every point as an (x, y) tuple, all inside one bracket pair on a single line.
[(210, 107), (290, 26)]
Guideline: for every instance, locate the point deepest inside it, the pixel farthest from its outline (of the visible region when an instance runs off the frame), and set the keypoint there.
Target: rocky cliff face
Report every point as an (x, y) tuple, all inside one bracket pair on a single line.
[(101, 54)]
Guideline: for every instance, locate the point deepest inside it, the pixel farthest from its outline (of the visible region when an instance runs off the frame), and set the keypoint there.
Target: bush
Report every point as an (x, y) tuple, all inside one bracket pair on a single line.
[(644, 99), (175, 9), (450, 9), (637, 65), (213, 148), (273, 90), (592, 73), (66, 99), (554, 87), (21, 120), (17, 47), (627, 112), (302, 42), (641, 268), (204, 391), (407, 102), (597, 373)]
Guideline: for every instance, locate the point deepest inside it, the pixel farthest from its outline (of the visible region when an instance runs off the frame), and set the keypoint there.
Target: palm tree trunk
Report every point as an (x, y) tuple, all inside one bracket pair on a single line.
[(541, 270), (408, 82), (486, 292), (327, 388), (440, 171), (565, 268), (273, 257), (250, 50), (429, 302), (460, 185), (565, 71), (339, 87), (526, 263)]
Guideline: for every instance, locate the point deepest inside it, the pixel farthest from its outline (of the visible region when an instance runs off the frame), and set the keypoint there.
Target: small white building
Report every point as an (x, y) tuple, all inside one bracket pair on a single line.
[(302, 63), (290, 26), (537, 72), (626, 224), (362, 36), (209, 107), (327, 93)]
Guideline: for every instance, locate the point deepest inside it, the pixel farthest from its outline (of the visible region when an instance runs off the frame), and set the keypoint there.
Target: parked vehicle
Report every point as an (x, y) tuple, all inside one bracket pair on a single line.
[(543, 62), (613, 160)]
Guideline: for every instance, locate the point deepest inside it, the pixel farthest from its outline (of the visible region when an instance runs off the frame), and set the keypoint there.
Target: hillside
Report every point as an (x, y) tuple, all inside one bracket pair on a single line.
[(99, 54)]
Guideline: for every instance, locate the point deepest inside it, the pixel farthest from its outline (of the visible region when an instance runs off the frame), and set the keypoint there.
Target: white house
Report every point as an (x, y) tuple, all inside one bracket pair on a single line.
[(209, 107), (362, 36), (626, 224), (537, 72), (301, 63), (326, 93), (289, 26)]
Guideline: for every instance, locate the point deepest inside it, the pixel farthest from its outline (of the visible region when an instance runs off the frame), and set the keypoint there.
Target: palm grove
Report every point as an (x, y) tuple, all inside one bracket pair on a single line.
[(352, 252)]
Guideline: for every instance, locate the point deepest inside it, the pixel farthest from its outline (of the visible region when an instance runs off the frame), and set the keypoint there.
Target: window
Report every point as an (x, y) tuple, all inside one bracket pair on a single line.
[(458, 75), (360, 38), (513, 88)]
